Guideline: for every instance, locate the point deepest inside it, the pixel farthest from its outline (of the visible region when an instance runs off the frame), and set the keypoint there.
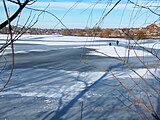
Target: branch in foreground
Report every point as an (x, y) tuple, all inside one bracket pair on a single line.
[(21, 7)]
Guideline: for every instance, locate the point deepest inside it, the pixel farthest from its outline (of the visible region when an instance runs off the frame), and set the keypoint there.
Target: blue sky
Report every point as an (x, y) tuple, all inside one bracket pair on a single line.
[(86, 13)]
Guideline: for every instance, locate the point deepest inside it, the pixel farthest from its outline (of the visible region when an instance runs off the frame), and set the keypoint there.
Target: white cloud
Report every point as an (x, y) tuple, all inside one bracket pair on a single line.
[(77, 6), (81, 5)]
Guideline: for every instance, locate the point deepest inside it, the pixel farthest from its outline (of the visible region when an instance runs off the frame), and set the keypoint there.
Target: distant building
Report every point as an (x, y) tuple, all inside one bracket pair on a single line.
[(152, 29)]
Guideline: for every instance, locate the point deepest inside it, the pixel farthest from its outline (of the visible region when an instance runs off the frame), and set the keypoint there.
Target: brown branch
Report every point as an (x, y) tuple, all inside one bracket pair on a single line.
[(12, 46), (18, 1), (145, 7), (45, 11), (108, 12), (14, 2), (22, 6)]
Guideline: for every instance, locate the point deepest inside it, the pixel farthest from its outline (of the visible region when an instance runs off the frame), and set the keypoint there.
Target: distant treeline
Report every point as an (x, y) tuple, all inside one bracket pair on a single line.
[(151, 31)]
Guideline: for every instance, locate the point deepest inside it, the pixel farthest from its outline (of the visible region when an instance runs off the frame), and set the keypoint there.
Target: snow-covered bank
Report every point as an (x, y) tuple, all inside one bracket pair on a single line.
[(61, 42), (117, 51)]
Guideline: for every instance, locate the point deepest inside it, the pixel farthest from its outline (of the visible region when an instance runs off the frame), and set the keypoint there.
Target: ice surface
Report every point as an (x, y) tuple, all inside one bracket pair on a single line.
[(50, 81)]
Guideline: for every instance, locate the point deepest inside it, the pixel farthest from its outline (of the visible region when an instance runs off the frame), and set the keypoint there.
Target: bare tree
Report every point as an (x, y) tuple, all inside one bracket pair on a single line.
[(133, 99), (10, 40), (21, 5), (15, 31), (150, 89)]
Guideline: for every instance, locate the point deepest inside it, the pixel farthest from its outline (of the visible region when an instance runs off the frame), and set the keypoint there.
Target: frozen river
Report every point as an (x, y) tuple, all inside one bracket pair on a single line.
[(69, 78)]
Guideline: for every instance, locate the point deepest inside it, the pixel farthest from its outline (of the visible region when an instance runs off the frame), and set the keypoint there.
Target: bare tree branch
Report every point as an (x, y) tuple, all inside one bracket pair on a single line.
[(5, 23), (12, 46)]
